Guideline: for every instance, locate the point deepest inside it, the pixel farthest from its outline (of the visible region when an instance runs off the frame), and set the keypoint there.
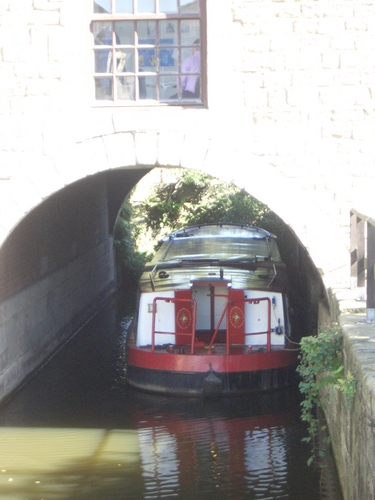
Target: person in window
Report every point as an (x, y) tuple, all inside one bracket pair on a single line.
[(190, 83), (192, 64)]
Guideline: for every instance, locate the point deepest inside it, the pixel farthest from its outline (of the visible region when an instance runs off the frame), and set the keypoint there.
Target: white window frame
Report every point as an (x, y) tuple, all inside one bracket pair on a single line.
[(112, 75)]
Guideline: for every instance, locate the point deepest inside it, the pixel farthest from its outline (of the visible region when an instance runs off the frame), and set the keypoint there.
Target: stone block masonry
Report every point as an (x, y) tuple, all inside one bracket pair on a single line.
[(293, 79), (303, 68), (352, 427)]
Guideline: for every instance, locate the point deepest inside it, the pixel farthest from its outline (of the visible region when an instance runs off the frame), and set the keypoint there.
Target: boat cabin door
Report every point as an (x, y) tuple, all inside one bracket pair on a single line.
[(211, 300)]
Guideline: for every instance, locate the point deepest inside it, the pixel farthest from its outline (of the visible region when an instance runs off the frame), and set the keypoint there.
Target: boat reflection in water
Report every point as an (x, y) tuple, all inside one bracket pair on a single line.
[(248, 447), (173, 448), (236, 457)]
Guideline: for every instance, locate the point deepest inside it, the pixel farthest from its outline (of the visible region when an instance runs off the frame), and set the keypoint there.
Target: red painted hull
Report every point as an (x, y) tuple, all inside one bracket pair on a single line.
[(221, 363), (235, 373)]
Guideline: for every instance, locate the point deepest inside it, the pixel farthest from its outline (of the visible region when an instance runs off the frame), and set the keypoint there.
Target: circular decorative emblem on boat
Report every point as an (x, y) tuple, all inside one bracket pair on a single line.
[(236, 317), (183, 318)]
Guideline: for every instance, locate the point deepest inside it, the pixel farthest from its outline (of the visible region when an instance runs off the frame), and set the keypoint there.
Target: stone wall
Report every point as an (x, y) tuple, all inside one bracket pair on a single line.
[(290, 114), (56, 269), (352, 427), (38, 319)]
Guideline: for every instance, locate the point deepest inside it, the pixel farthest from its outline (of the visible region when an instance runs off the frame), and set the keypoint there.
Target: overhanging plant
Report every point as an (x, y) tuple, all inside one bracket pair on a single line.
[(321, 367)]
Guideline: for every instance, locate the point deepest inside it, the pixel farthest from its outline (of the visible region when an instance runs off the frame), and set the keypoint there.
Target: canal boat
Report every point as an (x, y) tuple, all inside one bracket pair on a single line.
[(213, 315)]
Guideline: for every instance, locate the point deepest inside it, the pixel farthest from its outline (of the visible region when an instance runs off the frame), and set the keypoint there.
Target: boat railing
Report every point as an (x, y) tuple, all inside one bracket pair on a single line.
[(226, 311), (189, 333)]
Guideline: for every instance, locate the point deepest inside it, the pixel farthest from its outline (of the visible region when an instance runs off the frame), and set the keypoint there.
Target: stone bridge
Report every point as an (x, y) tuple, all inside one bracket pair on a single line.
[(289, 117), (289, 114)]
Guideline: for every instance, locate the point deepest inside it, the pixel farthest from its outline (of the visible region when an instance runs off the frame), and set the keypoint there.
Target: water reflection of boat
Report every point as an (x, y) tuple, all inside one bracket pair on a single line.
[(170, 448), (238, 450), (213, 315)]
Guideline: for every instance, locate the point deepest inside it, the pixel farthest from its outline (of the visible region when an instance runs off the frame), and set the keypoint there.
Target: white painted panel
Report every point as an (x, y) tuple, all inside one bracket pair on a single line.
[(165, 319), (256, 317), (202, 295)]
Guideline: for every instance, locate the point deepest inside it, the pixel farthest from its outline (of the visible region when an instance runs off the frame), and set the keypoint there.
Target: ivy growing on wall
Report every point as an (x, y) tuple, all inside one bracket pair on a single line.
[(321, 368)]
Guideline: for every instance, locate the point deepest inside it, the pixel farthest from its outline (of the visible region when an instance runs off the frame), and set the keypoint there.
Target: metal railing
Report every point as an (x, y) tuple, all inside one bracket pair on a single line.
[(192, 321), (190, 333), (226, 311), (362, 258)]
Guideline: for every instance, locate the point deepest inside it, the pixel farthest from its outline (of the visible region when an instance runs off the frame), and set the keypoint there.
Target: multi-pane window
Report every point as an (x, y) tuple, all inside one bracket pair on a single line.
[(147, 51)]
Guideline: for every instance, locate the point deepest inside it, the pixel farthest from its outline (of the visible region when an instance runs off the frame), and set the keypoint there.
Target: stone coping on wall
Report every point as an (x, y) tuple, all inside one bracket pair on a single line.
[(349, 310), (352, 427)]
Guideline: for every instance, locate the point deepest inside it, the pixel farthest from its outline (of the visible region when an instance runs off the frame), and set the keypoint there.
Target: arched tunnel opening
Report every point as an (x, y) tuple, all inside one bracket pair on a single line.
[(56, 270), (57, 267), (161, 190)]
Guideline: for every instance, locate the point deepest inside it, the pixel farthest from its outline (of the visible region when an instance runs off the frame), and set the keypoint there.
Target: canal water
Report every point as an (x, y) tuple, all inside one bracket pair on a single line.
[(75, 431)]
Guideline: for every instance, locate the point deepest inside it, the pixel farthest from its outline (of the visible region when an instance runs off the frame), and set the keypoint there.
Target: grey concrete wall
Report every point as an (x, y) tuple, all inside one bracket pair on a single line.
[(352, 428), (38, 319)]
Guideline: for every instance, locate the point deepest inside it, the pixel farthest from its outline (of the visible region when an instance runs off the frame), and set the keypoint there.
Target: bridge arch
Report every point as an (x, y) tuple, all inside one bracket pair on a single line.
[(223, 155), (102, 169)]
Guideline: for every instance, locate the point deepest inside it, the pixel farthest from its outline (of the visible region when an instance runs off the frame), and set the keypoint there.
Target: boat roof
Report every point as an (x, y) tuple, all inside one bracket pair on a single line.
[(218, 242), (248, 254)]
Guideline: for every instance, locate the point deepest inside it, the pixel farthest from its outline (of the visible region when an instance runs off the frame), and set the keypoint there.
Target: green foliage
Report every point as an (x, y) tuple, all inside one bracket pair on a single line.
[(320, 368), (192, 198), (130, 261), (196, 198)]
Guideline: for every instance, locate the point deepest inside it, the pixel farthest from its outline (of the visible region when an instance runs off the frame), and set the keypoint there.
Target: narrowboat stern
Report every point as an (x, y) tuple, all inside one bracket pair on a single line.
[(213, 315)]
